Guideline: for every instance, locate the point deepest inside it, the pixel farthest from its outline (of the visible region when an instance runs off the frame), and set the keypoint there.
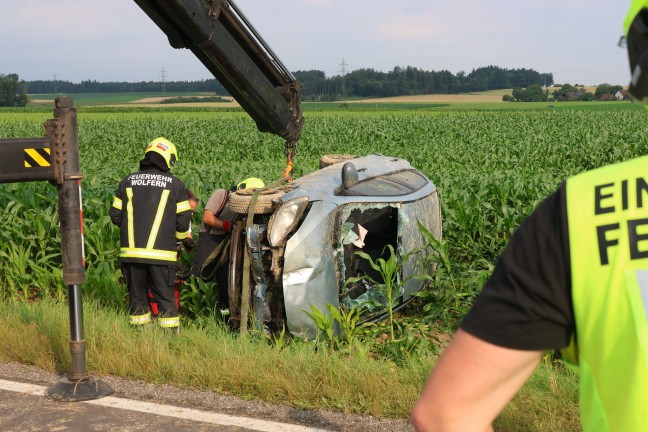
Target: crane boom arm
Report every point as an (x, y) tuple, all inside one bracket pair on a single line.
[(222, 38)]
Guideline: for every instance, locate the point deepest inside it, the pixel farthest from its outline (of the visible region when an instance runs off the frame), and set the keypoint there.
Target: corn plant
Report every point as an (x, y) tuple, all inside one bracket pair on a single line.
[(279, 340), (197, 298), (392, 285), (328, 324), (408, 347), (325, 324), (491, 167)]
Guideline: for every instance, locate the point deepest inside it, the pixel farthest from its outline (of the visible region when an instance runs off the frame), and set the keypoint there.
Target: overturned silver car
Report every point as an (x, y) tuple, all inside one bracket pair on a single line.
[(300, 246)]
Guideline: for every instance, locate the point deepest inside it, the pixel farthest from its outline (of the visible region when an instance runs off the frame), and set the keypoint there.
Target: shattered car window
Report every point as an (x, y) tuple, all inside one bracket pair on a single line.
[(368, 228), (394, 184)]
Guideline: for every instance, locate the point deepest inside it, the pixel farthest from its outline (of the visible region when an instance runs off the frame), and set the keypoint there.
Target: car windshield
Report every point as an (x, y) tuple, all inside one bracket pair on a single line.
[(394, 184)]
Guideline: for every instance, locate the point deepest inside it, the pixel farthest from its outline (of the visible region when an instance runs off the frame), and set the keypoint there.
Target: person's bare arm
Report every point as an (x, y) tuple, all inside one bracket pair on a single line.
[(470, 384), (211, 220)]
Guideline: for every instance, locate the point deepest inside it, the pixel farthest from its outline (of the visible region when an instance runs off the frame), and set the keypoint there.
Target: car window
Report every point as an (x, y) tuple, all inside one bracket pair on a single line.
[(394, 184)]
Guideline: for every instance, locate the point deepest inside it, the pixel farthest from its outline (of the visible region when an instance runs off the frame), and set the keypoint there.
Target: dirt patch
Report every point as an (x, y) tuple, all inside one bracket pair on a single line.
[(151, 100), (155, 102), (490, 96), (438, 98), (171, 105)]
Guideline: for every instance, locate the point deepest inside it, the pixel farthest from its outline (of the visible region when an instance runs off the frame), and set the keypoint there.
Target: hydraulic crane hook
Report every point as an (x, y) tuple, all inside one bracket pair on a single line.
[(290, 150)]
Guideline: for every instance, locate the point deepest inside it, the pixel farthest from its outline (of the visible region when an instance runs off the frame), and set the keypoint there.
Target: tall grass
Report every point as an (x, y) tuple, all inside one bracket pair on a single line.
[(547, 402), (206, 356)]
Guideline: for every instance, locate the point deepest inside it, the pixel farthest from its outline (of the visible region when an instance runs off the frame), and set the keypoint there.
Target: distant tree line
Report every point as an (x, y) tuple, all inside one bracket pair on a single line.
[(92, 86), (400, 81), (527, 84), (564, 92), (361, 83)]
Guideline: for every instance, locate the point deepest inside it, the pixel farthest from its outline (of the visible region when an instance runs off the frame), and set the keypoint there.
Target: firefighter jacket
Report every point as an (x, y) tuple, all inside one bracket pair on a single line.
[(152, 212), (608, 239)]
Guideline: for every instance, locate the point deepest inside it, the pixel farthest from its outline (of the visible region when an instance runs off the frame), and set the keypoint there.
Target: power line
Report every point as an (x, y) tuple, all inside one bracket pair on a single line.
[(163, 79), (342, 72)]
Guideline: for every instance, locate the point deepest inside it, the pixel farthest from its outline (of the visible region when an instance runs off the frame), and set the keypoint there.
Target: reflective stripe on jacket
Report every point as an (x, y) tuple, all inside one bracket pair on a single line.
[(152, 212), (608, 235)]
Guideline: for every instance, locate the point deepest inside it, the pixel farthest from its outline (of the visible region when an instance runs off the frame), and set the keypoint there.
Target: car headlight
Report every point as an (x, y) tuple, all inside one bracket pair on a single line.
[(284, 220)]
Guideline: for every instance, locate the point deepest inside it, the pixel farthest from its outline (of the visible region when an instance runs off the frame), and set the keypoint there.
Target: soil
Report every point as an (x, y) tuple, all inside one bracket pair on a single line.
[(161, 98), (437, 98)]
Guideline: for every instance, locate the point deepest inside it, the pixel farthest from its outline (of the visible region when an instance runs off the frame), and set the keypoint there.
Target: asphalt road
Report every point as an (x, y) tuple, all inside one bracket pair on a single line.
[(137, 406), (30, 412)]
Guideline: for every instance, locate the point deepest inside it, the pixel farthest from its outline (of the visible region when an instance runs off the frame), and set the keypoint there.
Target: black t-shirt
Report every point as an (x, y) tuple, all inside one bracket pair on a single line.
[(526, 304)]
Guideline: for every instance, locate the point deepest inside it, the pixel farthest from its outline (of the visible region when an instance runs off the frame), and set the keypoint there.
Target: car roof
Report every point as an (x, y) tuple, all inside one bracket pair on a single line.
[(321, 185)]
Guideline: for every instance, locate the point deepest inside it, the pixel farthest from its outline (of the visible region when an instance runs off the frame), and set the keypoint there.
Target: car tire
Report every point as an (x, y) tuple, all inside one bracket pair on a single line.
[(239, 201), (331, 159)]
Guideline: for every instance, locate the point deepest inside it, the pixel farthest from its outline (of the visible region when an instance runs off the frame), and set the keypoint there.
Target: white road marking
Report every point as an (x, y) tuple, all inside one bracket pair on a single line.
[(170, 411)]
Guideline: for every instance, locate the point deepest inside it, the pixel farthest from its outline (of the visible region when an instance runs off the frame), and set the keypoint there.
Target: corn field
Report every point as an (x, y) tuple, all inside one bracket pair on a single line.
[(492, 169)]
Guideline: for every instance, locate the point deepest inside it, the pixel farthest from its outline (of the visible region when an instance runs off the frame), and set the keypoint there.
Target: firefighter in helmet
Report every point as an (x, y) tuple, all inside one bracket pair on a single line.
[(153, 213)]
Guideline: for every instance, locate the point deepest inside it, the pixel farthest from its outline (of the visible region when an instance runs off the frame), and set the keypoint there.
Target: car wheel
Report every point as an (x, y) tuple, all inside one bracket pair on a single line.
[(331, 159), (239, 201)]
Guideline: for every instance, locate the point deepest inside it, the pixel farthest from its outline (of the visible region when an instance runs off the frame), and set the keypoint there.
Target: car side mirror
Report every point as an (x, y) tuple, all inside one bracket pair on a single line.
[(349, 175)]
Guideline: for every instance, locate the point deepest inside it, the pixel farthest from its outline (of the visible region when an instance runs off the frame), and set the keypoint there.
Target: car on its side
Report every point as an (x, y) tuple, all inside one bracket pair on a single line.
[(302, 239)]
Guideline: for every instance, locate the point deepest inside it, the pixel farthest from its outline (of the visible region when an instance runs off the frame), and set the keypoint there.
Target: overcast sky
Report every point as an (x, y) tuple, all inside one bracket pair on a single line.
[(114, 40)]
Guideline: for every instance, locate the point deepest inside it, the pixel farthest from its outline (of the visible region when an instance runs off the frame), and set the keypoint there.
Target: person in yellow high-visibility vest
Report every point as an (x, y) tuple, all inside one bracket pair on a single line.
[(573, 277)]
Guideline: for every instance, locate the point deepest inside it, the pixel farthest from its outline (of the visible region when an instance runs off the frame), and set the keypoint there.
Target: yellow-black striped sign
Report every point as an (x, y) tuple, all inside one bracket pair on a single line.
[(37, 157), (26, 159)]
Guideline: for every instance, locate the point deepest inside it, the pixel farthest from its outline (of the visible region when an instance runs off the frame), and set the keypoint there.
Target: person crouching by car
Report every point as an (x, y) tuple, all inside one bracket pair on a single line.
[(211, 257)]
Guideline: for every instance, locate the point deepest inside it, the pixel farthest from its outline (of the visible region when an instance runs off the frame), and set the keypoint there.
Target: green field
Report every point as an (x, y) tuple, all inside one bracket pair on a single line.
[(492, 167), (84, 99)]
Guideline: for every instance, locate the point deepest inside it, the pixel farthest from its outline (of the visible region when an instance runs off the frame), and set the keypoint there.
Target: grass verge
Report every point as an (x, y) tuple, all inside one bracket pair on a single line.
[(206, 356)]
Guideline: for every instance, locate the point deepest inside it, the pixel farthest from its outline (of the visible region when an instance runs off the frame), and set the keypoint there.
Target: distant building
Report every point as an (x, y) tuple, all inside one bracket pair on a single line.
[(572, 95), (622, 95), (606, 97)]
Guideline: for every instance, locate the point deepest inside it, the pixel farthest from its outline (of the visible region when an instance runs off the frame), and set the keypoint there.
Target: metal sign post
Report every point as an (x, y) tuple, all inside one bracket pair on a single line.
[(56, 158)]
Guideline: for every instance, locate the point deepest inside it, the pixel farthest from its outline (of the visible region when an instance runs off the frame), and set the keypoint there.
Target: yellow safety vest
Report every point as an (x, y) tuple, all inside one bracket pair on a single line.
[(607, 212)]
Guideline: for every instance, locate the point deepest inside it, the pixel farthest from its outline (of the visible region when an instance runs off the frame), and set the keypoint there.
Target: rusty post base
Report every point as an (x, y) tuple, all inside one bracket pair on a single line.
[(86, 388), (77, 385)]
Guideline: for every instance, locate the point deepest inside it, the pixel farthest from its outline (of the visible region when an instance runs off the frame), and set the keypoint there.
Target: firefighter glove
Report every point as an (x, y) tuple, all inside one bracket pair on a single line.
[(226, 226), (188, 244)]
